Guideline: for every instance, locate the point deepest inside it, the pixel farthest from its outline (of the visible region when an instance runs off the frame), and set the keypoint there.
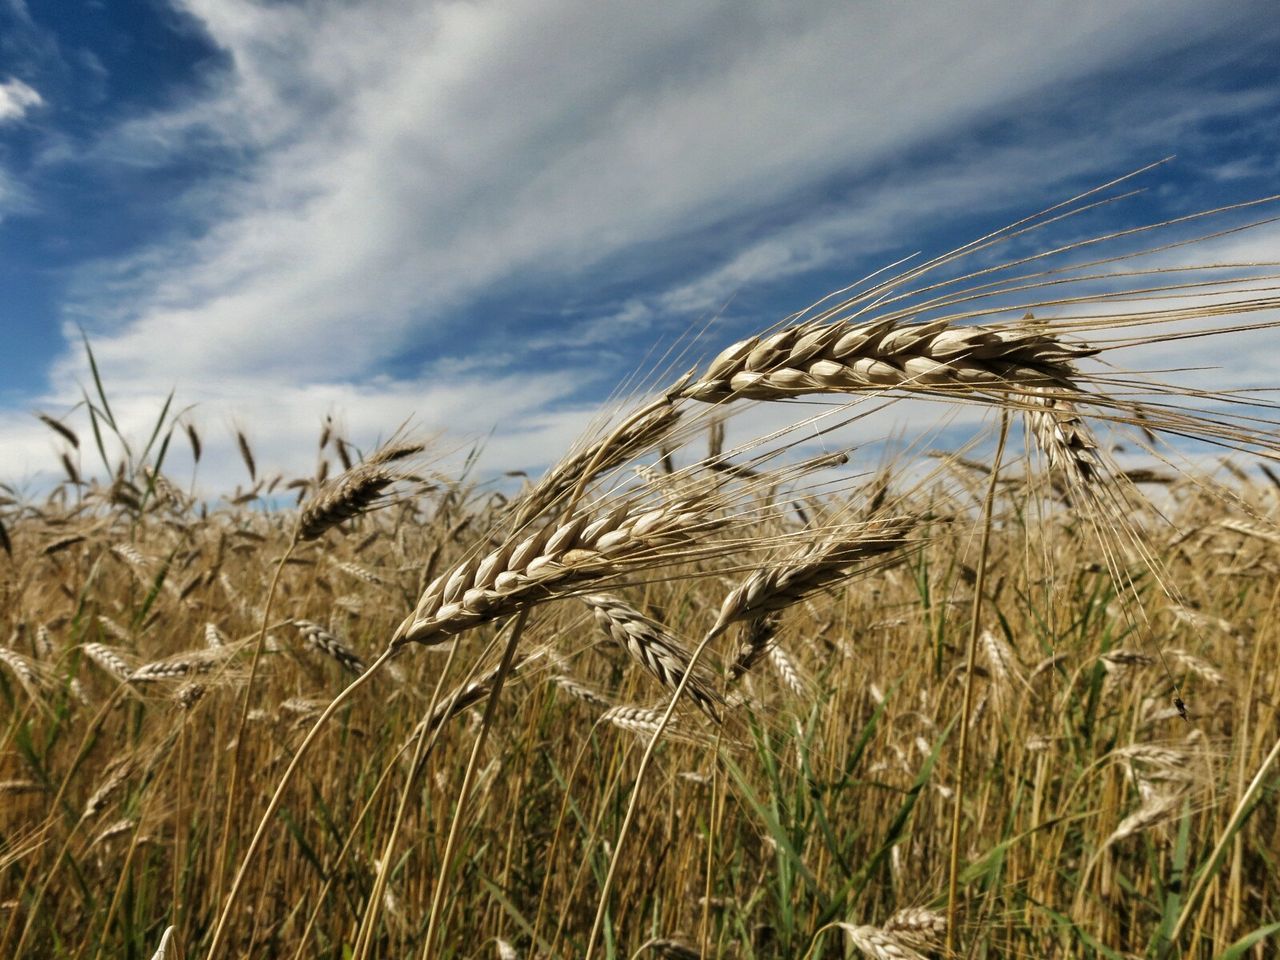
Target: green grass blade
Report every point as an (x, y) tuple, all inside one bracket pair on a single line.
[(776, 830), (1241, 947), (97, 381)]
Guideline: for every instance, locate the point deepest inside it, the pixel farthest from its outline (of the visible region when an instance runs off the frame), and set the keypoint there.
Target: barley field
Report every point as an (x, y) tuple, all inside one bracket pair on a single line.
[(715, 684)]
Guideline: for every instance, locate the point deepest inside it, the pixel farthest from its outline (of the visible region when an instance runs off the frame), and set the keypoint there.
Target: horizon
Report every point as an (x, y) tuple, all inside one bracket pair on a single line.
[(483, 218)]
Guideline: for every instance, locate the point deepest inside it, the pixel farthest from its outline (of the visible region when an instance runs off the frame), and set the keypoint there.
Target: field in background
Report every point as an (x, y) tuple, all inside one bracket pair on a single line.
[(1006, 701), (1090, 810)]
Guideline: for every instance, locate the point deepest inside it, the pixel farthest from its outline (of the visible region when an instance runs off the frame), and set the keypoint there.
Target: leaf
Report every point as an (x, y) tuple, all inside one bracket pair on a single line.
[(1082, 935), (1177, 878), (155, 432), (155, 469), (157, 584), (300, 838), (496, 892), (97, 432), (97, 381), (1242, 946), (897, 827), (775, 829), (980, 866)]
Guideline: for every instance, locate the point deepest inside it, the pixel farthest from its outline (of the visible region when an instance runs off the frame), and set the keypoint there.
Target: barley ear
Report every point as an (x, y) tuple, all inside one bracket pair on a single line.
[(355, 492)]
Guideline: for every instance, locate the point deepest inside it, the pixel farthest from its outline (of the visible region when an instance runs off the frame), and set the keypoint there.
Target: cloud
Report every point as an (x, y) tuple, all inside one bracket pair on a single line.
[(282, 422), (13, 197), (397, 163), (406, 157), (17, 99)]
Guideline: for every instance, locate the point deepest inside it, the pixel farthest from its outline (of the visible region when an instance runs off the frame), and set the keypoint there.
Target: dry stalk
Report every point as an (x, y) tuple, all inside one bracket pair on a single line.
[(274, 803), (446, 858), (967, 711), (1209, 871)]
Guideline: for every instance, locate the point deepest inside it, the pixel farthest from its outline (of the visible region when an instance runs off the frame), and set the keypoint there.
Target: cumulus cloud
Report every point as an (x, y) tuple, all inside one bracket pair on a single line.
[(17, 99)]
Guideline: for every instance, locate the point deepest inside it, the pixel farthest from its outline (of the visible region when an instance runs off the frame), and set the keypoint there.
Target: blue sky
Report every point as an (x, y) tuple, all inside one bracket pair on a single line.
[(483, 215)]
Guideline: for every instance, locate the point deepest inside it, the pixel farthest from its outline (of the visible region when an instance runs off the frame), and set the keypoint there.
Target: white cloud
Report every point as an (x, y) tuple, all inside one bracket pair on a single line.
[(12, 195), (404, 158), (17, 99), (282, 422), (409, 155)]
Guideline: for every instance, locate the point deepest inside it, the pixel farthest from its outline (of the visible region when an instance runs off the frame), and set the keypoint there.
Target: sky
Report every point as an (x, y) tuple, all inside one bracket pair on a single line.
[(483, 216)]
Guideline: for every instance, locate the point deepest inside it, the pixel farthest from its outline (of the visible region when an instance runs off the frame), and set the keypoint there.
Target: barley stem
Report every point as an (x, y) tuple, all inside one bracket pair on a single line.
[(278, 796), (220, 864), (635, 791), (422, 744), (455, 826), (988, 508), (1210, 868)]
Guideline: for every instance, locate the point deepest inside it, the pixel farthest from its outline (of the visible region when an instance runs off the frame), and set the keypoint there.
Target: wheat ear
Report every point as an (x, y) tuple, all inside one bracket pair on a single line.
[(353, 492), (164, 943), (843, 356), (321, 639), (815, 567), (580, 550), (643, 429), (1062, 435), (879, 944), (917, 924), (651, 646), (757, 637)]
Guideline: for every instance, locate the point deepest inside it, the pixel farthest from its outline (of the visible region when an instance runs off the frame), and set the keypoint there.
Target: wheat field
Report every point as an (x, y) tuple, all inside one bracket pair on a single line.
[(713, 685)]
